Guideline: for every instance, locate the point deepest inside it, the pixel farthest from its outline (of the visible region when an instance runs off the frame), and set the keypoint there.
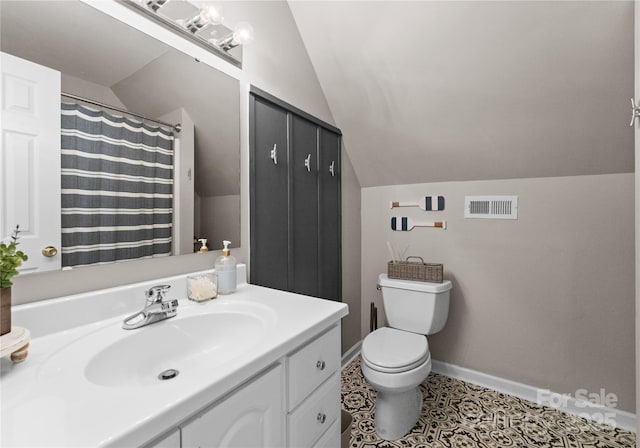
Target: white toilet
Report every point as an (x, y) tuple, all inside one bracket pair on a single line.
[(396, 359)]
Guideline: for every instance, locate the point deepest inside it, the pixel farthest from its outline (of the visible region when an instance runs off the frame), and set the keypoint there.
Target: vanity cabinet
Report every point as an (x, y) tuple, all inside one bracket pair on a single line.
[(250, 417), (260, 369), (295, 199), (295, 403)]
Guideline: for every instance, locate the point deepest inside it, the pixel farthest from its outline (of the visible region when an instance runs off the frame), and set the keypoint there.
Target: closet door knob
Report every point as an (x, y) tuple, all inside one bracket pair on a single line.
[(320, 365), (322, 417), (274, 154), (332, 168), (307, 163)]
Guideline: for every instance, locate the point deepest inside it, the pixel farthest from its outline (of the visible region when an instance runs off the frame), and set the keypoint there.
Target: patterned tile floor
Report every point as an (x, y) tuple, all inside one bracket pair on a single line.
[(456, 414)]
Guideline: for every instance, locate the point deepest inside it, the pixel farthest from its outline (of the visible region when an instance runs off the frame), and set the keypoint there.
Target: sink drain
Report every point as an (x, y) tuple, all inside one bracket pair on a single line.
[(168, 374)]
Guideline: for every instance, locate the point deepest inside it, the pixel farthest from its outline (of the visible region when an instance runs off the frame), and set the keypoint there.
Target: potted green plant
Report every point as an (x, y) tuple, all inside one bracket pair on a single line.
[(10, 260)]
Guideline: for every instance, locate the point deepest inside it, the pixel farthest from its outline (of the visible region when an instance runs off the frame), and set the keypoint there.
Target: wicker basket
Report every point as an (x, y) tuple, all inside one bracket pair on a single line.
[(414, 270)]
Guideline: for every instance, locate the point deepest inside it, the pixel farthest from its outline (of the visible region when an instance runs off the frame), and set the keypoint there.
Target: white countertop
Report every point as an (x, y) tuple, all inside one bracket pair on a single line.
[(52, 403)]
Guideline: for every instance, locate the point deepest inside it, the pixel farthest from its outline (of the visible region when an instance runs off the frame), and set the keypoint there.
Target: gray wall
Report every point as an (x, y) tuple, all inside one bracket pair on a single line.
[(215, 224), (547, 300), (183, 188), (351, 247), (86, 89)]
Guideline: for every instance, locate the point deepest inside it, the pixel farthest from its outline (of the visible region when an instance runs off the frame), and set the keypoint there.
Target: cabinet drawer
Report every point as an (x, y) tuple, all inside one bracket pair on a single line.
[(310, 421), (312, 364), (331, 438)]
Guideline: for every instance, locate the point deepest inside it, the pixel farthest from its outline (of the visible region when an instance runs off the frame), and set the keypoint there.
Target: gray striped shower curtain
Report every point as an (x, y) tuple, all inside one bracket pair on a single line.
[(117, 188)]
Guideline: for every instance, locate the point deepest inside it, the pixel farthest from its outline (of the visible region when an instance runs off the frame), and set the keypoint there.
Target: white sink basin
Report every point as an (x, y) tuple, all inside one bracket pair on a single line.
[(200, 337), (174, 344)]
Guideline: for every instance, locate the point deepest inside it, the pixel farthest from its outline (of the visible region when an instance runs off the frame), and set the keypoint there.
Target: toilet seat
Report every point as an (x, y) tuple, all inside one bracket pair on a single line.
[(393, 351)]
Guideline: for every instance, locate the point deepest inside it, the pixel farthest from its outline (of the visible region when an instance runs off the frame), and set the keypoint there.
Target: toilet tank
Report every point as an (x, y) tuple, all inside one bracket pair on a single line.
[(419, 307)]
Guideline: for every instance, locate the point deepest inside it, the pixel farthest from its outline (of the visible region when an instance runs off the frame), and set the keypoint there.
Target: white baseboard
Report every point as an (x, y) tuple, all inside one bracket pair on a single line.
[(583, 408), (612, 416), (351, 354)]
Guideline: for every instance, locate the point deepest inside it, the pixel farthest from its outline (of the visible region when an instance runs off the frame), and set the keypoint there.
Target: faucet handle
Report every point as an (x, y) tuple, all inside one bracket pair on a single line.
[(156, 293), (170, 306)]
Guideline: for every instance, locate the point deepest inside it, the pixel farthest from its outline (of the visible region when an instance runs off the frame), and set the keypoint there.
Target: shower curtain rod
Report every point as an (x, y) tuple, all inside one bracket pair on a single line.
[(177, 126)]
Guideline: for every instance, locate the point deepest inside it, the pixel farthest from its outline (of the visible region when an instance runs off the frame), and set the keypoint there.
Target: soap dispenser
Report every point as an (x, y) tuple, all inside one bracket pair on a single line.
[(204, 247), (225, 267)]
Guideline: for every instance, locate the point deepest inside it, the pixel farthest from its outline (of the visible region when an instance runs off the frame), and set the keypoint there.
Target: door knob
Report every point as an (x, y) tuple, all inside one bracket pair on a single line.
[(49, 251)]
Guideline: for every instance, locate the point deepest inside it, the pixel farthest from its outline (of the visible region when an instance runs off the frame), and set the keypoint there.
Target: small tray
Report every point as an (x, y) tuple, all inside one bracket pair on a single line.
[(16, 344), (415, 270)]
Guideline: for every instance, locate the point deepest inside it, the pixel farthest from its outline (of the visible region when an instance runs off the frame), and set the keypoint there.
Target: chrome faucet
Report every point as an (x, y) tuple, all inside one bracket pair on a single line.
[(156, 309)]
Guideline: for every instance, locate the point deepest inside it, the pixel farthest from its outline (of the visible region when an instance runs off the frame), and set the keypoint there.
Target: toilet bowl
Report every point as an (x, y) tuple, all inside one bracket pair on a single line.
[(396, 359), (395, 363)]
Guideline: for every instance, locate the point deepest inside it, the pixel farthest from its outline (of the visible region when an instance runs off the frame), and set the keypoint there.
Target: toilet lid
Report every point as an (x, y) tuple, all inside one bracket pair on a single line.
[(388, 349)]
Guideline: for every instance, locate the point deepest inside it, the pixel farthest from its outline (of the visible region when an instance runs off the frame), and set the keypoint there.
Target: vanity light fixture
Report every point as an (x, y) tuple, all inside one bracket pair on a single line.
[(201, 23)]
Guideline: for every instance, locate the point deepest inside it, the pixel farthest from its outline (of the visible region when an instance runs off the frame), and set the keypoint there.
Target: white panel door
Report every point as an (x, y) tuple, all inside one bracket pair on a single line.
[(30, 159), (252, 417)]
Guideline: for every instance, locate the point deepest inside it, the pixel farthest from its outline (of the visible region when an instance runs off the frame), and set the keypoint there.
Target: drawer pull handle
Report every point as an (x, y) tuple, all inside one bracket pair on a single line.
[(322, 417), (320, 365)]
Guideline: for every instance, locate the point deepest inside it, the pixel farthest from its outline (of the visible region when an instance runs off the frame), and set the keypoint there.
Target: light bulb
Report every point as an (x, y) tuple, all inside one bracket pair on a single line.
[(208, 14), (243, 33), (211, 14)]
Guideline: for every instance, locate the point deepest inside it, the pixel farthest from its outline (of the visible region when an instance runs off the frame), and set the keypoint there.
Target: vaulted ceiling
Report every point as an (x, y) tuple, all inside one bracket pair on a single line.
[(424, 90), (463, 90)]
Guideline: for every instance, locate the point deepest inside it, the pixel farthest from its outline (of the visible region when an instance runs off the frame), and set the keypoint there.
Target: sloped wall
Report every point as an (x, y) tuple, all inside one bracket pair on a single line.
[(472, 90)]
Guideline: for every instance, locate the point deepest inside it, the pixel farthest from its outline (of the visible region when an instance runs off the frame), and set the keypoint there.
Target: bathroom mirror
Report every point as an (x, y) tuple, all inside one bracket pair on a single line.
[(105, 60)]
